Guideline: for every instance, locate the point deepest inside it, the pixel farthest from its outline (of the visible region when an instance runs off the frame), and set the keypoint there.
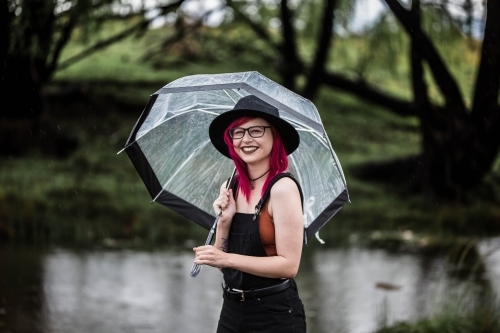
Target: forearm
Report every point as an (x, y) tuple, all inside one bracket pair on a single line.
[(222, 237), (270, 267)]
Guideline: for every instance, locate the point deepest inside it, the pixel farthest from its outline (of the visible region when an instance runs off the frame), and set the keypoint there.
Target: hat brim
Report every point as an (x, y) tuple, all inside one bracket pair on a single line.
[(288, 133)]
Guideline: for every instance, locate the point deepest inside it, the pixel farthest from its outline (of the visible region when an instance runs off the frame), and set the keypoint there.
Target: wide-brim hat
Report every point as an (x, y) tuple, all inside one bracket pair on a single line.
[(252, 106)]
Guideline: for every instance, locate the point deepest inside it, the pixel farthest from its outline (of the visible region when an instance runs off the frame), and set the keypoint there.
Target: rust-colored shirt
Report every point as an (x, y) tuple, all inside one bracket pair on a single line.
[(267, 232)]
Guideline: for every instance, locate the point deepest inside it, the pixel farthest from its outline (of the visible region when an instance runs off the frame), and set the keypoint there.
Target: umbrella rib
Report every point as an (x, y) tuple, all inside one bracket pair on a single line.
[(180, 168), (213, 180), (183, 113), (165, 120), (337, 163), (203, 110), (225, 92)]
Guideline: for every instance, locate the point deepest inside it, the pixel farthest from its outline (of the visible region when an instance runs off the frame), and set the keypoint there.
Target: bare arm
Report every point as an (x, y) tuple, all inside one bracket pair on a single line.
[(225, 201), (285, 206)]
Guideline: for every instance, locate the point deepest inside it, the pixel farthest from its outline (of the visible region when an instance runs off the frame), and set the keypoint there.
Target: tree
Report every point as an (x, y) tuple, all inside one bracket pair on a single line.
[(33, 34), (459, 143)]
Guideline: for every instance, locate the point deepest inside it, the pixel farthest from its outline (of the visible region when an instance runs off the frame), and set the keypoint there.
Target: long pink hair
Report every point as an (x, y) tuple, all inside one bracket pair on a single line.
[(278, 161)]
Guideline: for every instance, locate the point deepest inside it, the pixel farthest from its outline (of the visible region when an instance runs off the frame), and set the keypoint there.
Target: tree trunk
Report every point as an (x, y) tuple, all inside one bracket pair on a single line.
[(322, 50), (21, 107), (453, 164), (290, 66)]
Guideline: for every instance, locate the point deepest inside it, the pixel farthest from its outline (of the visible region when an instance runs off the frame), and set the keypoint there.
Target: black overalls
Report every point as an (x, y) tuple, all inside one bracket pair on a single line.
[(280, 312)]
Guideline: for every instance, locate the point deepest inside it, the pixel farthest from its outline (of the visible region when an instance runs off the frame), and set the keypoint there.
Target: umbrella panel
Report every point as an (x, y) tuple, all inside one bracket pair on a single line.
[(186, 164), (168, 106), (258, 84)]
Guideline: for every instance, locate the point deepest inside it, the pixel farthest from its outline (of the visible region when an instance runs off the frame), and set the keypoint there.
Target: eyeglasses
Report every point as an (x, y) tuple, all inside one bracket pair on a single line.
[(254, 131)]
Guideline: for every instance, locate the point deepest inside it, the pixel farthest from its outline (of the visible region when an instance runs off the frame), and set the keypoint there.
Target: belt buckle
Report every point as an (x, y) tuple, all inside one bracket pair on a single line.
[(242, 294)]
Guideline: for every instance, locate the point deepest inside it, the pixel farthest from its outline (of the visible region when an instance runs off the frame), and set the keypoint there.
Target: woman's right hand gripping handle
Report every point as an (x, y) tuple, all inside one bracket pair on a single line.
[(225, 206)]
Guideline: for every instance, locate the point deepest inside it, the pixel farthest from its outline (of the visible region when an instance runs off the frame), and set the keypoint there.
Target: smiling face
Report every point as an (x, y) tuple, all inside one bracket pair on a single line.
[(254, 150)]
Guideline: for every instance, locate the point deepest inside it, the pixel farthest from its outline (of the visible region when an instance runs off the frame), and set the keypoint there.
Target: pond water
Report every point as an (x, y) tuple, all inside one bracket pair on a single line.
[(344, 290)]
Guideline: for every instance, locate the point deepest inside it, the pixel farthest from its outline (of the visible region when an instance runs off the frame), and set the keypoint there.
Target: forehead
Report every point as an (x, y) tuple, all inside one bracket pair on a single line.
[(255, 122)]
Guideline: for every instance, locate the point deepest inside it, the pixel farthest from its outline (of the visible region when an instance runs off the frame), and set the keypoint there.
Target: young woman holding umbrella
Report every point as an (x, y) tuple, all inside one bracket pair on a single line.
[(260, 230)]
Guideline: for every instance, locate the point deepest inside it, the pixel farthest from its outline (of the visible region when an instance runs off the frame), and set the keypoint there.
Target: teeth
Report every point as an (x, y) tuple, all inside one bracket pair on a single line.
[(249, 149)]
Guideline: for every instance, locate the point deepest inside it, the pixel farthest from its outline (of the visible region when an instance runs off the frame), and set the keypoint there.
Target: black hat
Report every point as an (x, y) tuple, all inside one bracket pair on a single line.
[(252, 106)]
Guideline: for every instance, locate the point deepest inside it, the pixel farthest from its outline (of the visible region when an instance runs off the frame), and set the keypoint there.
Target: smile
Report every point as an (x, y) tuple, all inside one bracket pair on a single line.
[(249, 149)]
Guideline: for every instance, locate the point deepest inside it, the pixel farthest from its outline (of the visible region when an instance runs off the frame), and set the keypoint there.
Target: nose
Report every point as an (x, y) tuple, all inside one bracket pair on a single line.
[(246, 136)]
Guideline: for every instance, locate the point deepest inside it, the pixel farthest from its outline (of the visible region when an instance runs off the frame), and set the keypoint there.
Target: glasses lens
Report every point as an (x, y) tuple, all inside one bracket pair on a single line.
[(237, 133), (256, 132)]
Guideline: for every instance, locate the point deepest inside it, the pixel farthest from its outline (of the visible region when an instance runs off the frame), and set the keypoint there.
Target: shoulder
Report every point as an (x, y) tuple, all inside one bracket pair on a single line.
[(285, 201), (285, 188)]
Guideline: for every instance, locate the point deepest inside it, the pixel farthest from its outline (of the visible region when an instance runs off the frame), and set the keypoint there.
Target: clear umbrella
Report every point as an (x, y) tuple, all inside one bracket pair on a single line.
[(171, 150)]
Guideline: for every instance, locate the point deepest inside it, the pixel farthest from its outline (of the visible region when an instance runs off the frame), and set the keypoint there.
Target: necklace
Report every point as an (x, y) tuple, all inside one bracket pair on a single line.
[(252, 181)]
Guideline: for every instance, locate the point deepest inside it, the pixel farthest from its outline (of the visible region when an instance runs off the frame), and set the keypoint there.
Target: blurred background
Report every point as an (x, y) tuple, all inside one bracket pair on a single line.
[(408, 92)]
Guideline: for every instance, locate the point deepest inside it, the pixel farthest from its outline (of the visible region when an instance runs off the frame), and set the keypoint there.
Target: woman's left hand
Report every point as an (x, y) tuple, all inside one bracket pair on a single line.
[(209, 255)]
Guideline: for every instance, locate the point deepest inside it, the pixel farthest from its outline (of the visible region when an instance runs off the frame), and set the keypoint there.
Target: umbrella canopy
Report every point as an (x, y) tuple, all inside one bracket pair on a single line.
[(171, 149)]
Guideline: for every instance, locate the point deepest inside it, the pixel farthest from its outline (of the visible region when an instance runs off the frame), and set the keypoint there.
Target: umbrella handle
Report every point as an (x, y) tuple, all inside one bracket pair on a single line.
[(195, 270)]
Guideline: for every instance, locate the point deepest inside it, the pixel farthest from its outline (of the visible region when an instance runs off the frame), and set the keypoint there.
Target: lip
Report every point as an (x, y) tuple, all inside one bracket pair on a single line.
[(248, 152)]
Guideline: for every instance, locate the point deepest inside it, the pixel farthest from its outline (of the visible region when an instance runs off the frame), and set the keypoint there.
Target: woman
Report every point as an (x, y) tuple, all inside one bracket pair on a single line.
[(258, 242)]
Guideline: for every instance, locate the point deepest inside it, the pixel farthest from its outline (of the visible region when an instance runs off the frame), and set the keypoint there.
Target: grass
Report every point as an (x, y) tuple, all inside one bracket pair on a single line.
[(481, 319)]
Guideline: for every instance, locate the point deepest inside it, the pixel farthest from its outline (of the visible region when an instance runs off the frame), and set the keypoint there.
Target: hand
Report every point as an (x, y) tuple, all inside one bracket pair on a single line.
[(209, 255), (225, 203)]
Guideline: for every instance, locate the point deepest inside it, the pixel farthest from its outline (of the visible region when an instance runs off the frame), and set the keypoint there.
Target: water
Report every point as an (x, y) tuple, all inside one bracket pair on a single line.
[(344, 290)]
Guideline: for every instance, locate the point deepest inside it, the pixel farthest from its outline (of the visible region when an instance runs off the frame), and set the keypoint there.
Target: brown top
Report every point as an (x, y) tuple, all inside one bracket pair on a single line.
[(267, 233)]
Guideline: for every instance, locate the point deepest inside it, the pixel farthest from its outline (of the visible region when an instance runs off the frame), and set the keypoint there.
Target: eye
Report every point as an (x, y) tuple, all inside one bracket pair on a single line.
[(238, 132), (256, 130)]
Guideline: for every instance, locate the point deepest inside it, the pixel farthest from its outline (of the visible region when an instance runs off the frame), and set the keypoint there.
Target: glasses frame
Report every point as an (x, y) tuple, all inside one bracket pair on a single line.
[(230, 131)]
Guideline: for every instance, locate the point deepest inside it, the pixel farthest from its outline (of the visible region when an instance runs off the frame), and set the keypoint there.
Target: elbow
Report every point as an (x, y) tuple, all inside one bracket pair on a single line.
[(291, 272)]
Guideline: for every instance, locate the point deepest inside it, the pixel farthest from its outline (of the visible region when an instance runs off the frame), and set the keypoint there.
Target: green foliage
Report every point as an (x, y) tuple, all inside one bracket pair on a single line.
[(482, 320)]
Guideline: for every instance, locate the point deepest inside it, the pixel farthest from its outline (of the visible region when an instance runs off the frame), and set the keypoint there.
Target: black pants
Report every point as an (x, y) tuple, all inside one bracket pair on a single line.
[(279, 313)]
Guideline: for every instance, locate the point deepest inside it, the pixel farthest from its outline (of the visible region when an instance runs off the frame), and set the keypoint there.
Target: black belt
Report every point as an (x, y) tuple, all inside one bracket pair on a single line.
[(243, 295)]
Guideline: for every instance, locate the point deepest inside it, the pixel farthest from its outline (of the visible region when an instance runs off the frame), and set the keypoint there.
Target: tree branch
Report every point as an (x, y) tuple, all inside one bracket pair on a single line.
[(61, 43), (103, 44), (113, 39), (258, 30), (444, 80), (181, 33), (322, 51), (362, 90), (420, 92), (488, 76)]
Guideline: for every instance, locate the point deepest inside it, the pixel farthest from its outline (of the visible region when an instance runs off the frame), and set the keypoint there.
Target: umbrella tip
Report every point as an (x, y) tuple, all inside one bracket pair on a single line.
[(120, 151)]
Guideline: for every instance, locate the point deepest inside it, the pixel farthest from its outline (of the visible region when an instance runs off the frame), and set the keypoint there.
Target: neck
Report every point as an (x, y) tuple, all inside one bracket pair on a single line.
[(255, 171), (257, 175)]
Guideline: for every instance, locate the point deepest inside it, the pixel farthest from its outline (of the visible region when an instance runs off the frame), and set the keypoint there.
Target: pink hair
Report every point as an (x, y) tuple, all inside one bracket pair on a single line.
[(278, 161)]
